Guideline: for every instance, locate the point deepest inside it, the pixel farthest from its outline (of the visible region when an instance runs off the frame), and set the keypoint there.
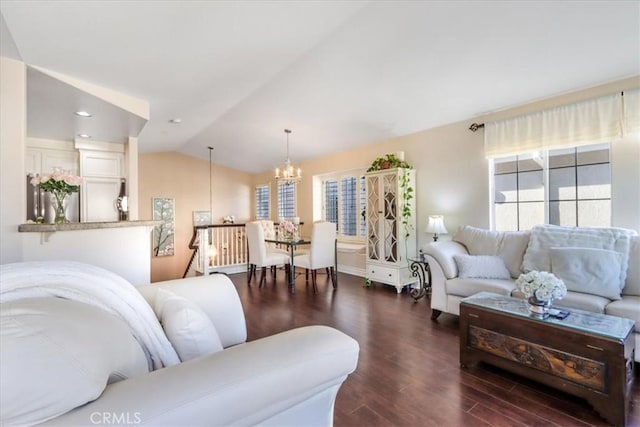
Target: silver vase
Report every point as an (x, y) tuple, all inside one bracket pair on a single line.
[(539, 308)]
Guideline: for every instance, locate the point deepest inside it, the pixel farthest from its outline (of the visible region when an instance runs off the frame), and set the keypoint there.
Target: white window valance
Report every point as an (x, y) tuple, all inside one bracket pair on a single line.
[(631, 103), (593, 121)]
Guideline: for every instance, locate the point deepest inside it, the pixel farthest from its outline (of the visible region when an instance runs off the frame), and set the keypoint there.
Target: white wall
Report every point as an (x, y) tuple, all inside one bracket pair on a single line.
[(625, 182), (124, 250), (13, 129)]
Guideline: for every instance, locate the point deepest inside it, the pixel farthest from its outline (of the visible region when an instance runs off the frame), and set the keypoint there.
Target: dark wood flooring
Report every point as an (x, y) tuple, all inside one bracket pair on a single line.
[(408, 372)]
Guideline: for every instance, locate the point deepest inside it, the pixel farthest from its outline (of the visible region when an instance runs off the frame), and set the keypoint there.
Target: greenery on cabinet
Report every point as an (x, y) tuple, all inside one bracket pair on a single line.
[(407, 196), (388, 161)]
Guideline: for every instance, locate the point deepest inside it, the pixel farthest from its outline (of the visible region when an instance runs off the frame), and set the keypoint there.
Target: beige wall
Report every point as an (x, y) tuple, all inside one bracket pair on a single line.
[(186, 179), (452, 173)]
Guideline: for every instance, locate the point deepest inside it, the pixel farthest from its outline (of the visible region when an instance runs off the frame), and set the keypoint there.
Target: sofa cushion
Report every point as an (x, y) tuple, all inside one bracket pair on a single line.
[(587, 270), (582, 301), (467, 287), (628, 307), (57, 354), (508, 245), (190, 331), (481, 266), (544, 237)]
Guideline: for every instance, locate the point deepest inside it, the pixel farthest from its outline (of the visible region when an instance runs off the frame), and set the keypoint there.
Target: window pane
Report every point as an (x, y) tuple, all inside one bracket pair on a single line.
[(594, 213), (286, 200), (506, 188), (506, 216), (562, 213), (530, 162), (348, 212), (530, 186), (594, 182), (505, 165), (262, 202), (590, 154), (331, 201), (562, 184), (531, 214), (562, 158)]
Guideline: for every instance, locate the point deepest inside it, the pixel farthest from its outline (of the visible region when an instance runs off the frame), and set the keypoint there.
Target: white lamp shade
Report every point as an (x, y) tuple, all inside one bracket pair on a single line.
[(436, 225)]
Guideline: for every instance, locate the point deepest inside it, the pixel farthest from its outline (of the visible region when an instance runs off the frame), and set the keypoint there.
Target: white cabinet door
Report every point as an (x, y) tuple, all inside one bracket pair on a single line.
[(99, 197), (101, 172)]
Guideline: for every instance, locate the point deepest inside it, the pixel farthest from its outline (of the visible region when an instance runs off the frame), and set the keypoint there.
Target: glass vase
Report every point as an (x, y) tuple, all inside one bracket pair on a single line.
[(59, 203), (539, 308)]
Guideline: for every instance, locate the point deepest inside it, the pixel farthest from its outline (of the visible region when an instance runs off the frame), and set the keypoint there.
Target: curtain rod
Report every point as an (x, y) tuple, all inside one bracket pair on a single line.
[(475, 126)]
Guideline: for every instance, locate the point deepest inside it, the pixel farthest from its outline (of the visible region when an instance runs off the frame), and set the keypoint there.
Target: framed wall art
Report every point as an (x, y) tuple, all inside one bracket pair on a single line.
[(163, 234)]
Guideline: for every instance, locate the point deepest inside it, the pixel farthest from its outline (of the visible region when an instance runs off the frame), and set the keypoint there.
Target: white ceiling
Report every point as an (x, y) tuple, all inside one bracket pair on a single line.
[(339, 74)]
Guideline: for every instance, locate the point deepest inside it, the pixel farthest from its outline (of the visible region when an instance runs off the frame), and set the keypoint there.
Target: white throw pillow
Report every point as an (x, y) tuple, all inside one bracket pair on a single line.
[(508, 245), (190, 331), (588, 270), (57, 354), (481, 267)]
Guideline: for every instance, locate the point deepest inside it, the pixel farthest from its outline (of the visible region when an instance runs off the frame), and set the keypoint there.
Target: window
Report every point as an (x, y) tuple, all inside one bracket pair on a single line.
[(344, 199), (569, 187), (286, 200), (262, 201)]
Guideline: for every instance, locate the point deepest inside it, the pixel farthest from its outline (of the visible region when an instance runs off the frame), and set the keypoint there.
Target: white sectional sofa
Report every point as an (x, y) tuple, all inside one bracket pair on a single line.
[(80, 346), (600, 266)]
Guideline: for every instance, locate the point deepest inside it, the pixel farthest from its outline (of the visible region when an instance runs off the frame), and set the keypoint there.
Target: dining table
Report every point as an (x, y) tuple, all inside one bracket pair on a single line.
[(292, 244)]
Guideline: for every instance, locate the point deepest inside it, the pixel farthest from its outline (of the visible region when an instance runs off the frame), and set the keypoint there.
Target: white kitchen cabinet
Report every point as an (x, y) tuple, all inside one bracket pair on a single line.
[(391, 236)]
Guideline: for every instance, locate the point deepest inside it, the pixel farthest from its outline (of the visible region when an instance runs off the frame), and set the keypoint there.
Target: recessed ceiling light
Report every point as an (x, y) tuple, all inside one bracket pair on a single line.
[(84, 135), (175, 121), (83, 113)]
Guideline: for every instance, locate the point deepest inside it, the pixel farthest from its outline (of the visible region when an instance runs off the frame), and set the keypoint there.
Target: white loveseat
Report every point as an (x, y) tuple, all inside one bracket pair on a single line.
[(600, 278), (70, 361)]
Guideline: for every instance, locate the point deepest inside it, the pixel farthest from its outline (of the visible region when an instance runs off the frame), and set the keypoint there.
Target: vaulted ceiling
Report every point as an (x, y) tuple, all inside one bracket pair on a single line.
[(338, 73)]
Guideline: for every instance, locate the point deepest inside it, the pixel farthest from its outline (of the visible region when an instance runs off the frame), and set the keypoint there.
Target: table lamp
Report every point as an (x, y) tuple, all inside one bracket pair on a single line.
[(436, 226)]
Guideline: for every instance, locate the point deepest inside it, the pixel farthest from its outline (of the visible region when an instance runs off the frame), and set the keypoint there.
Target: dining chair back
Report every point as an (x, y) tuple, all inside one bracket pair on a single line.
[(258, 254), (321, 254)]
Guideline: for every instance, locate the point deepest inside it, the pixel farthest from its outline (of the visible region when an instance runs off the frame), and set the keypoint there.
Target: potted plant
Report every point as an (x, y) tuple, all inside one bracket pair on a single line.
[(388, 161)]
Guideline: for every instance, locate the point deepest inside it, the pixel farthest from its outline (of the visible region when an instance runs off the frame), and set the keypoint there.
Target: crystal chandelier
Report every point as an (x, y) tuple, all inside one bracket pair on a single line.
[(288, 174)]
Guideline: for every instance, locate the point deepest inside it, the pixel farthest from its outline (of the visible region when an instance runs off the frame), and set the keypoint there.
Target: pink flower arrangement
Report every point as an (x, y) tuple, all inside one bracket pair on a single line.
[(287, 226), (59, 182)]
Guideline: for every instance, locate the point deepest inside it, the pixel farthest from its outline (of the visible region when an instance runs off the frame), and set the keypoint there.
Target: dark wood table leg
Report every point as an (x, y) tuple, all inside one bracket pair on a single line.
[(292, 270)]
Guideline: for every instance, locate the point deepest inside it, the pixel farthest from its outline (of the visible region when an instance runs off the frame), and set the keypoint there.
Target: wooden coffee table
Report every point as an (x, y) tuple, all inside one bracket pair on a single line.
[(589, 355)]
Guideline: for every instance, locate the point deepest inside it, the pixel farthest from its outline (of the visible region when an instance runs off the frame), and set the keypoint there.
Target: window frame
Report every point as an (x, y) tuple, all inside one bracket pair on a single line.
[(295, 200), (545, 156), (268, 200), (338, 177)]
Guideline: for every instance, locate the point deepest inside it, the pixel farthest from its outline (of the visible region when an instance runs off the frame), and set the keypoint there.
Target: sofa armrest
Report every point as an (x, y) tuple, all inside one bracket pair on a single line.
[(242, 385), (216, 296), (443, 253)]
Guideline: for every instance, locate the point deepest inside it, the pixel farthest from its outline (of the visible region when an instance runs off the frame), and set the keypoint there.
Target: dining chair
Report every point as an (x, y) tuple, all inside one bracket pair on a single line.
[(270, 233), (258, 254), (321, 253)]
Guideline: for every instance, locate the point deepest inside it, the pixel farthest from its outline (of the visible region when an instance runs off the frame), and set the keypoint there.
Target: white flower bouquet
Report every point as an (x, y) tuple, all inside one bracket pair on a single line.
[(542, 285)]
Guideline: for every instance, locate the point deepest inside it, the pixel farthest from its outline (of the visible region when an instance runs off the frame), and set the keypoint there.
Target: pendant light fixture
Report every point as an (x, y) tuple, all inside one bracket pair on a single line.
[(288, 174)]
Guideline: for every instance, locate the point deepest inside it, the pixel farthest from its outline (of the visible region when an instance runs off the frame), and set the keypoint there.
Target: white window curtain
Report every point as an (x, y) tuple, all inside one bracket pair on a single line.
[(631, 101), (588, 122)]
